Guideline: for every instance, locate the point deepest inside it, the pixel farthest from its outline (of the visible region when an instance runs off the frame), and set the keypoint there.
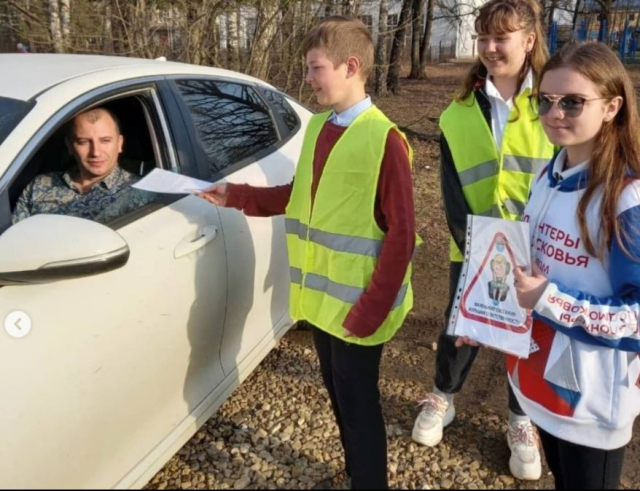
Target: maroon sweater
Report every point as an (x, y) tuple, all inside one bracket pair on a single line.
[(394, 214)]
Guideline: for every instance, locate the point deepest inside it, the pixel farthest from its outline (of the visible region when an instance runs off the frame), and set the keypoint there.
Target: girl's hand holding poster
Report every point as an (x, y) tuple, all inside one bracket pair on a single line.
[(486, 306)]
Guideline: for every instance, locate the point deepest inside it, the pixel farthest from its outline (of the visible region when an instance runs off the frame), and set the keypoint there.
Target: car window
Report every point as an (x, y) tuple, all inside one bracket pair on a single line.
[(45, 184), (231, 120), (285, 111), (12, 111)]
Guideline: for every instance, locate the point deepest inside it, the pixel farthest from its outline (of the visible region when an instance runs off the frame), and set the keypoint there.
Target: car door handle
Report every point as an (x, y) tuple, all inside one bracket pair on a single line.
[(193, 242)]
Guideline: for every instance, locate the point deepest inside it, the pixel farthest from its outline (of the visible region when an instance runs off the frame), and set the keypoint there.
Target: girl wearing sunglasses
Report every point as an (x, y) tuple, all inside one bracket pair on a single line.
[(581, 382), (492, 145)]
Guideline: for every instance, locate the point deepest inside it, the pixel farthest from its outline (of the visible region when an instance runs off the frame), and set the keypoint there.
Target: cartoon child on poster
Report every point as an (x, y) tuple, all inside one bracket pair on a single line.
[(498, 287)]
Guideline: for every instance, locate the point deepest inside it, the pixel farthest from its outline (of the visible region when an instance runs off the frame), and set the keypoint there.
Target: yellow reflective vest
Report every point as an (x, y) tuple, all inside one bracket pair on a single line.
[(335, 242), (496, 182)]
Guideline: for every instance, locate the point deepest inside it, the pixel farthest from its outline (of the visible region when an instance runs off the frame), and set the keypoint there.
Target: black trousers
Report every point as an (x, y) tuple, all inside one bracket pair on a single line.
[(453, 364), (577, 467), (350, 373)]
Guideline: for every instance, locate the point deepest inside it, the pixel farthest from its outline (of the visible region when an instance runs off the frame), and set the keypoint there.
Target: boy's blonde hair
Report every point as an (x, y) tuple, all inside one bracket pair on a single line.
[(342, 37)]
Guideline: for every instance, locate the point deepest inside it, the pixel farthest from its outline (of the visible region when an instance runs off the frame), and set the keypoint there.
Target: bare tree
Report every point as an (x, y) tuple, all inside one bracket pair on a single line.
[(199, 15), (331, 8), (605, 14), (107, 29), (426, 39), (397, 50), (233, 55), (65, 21), (55, 28), (266, 30), (211, 32), (350, 7), (22, 23), (416, 37), (576, 12), (381, 50)]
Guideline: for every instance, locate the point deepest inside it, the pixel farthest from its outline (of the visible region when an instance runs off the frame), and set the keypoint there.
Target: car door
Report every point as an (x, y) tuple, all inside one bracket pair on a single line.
[(118, 369), (247, 134)]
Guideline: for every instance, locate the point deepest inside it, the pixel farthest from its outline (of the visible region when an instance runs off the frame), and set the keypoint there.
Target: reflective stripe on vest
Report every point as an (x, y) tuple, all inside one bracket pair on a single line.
[(495, 183), (334, 243), (344, 293)]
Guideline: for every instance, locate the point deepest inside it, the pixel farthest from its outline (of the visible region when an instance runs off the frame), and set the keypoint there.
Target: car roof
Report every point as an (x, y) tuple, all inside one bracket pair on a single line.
[(27, 75)]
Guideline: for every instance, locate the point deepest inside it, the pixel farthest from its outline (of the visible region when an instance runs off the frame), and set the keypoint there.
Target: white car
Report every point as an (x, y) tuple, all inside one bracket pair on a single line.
[(118, 341)]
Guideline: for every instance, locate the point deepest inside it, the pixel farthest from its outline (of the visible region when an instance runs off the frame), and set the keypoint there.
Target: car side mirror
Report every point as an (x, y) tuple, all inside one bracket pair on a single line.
[(47, 248)]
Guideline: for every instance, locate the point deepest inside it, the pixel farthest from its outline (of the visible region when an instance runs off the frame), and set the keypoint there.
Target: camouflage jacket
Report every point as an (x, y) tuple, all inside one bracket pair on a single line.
[(56, 193)]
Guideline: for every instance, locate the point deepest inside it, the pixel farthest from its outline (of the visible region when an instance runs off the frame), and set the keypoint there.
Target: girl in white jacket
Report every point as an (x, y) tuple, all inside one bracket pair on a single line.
[(581, 382)]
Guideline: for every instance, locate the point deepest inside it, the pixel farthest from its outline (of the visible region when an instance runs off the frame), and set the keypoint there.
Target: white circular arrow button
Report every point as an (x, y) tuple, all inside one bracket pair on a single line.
[(17, 324)]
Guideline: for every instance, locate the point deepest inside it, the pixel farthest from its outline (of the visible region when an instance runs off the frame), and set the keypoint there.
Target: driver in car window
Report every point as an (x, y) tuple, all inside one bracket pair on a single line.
[(96, 188)]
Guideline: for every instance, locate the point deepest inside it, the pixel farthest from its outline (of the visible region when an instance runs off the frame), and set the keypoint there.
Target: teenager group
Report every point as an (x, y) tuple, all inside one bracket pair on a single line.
[(552, 142)]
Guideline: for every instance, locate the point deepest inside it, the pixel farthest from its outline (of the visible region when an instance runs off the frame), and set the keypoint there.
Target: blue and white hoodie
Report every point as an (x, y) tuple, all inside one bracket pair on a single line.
[(581, 382)]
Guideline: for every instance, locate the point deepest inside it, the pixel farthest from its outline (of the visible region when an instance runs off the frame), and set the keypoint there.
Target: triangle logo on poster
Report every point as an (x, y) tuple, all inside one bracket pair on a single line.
[(491, 297)]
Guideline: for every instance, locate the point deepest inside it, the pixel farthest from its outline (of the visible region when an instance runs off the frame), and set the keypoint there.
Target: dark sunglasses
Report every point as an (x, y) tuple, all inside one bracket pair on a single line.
[(571, 105)]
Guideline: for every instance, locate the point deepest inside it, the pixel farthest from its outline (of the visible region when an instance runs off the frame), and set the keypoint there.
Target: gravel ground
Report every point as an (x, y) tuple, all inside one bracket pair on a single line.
[(278, 432), (288, 440)]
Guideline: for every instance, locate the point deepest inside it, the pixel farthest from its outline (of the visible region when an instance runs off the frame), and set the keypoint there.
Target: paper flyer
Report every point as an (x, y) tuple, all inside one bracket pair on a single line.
[(164, 181), (486, 307)]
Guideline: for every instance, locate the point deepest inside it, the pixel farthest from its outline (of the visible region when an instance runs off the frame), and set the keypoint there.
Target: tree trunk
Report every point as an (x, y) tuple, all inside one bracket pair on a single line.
[(349, 7), (426, 40), (138, 25), (10, 26), (416, 37), (381, 50), (306, 17), (233, 57), (576, 12), (107, 29), (55, 30), (195, 23), (65, 18), (397, 50), (605, 26), (331, 8), (213, 29), (26, 25), (266, 30), (552, 11)]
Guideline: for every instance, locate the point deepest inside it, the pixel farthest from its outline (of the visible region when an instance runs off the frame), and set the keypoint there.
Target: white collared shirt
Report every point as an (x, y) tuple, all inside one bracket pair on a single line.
[(346, 117), (501, 109)]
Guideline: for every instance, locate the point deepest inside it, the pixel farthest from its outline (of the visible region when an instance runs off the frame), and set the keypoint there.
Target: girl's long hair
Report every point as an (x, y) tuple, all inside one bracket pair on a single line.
[(502, 16), (616, 152)]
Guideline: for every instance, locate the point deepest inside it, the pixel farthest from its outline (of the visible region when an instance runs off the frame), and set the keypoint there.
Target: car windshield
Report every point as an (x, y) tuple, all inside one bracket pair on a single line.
[(11, 113)]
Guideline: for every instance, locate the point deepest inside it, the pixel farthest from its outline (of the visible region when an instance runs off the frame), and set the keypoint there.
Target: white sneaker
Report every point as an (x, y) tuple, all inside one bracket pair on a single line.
[(436, 414), (524, 463)]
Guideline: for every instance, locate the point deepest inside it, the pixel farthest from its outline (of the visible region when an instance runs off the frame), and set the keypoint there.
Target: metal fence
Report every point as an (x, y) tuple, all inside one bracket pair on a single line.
[(624, 38)]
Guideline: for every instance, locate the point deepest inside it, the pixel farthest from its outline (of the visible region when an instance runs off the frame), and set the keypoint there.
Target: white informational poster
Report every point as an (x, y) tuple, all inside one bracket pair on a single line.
[(485, 306)]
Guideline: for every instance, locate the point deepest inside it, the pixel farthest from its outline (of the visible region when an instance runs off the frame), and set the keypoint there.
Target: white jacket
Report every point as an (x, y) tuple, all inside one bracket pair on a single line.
[(581, 382)]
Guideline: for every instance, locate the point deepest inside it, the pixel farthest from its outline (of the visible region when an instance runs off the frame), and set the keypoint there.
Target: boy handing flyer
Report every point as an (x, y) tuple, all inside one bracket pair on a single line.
[(350, 226)]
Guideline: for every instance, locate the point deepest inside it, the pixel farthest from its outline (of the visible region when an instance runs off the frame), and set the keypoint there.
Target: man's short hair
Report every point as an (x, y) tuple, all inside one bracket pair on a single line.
[(342, 37), (71, 125)]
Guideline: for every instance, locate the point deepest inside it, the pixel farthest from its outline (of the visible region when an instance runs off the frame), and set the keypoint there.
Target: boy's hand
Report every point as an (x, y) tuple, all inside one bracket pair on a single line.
[(348, 333), (216, 194), (529, 288)]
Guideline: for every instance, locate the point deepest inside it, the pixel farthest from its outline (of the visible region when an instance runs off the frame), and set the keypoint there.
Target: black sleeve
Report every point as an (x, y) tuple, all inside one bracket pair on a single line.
[(455, 204)]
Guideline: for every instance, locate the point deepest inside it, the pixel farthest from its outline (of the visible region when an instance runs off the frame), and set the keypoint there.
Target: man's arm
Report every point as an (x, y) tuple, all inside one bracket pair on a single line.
[(23, 206), (128, 200), (395, 194)]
